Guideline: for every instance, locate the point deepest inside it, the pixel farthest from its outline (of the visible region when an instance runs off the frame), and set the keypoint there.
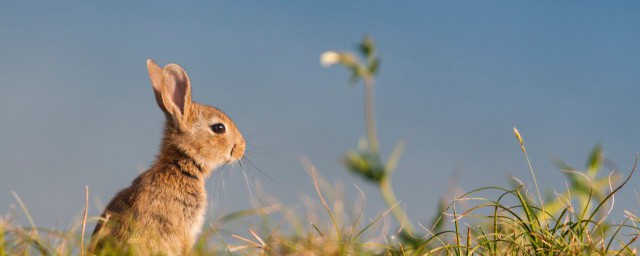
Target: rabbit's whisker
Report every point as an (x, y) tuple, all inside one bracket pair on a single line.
[(249, 185), (255, 167), (257, 149)]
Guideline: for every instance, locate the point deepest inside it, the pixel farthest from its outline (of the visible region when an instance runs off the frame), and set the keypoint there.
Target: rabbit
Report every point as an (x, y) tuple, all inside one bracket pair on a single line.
[(162, 211)]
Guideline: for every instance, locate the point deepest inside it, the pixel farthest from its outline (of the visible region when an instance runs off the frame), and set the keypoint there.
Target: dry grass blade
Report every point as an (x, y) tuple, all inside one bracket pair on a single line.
[(250, 243), (84, 219), (324, 202), (253, 233), (34, 231)]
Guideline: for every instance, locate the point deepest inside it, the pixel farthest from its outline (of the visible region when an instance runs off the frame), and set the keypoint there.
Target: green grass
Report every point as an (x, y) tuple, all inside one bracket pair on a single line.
[(509, 223), (484, 221)]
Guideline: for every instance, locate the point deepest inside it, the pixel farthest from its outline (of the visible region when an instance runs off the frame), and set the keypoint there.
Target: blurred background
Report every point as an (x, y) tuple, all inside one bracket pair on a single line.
[(77, 108)]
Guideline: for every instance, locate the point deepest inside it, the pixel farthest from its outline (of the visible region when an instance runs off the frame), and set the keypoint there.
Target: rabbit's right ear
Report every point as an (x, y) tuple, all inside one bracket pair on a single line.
[(155, 74)]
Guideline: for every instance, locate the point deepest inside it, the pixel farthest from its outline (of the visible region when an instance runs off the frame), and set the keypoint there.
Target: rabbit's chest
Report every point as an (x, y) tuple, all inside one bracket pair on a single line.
[(180, 213), (193, 211), (196, 224)]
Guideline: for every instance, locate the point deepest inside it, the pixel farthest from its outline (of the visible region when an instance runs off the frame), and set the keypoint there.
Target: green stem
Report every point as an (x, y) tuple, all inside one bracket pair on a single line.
[(397, 211), (544, 213), (369, 115), (2, 242), (372, 137)]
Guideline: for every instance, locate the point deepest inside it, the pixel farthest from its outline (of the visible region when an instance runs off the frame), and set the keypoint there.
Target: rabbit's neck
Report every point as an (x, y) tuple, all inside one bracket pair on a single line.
[(187, 165)]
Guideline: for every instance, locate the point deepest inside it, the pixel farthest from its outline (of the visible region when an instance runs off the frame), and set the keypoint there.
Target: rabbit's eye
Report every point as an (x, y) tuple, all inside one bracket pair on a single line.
[(218, 128)]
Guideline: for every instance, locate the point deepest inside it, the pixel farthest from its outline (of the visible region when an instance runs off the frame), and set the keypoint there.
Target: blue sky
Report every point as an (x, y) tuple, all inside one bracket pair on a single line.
[(77, 108)]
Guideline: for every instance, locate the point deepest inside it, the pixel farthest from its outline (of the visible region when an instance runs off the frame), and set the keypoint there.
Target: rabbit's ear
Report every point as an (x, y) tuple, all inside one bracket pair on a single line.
[(176, 91), (155, 74)]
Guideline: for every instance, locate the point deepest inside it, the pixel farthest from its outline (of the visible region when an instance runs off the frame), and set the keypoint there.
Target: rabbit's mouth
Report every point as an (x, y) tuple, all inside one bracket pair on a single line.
[(229, 158), (237, 151)]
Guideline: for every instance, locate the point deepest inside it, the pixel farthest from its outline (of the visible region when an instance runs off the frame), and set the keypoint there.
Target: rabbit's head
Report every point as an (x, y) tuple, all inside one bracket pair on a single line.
[(202, 132)]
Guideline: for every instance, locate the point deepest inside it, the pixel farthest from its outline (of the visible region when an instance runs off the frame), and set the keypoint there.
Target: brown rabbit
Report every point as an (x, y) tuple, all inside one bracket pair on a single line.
[(163, 210)]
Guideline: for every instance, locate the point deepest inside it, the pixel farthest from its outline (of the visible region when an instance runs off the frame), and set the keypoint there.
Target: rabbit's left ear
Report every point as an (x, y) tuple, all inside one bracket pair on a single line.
[(178, 90)]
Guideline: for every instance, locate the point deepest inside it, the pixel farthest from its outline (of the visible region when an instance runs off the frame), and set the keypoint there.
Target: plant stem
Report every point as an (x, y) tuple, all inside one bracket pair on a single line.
[(372, 137), (544, 213), (369, 115), (2, 242), (398, 212)]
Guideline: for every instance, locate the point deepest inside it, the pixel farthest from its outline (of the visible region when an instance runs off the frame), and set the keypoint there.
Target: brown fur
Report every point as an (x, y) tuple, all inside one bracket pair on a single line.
[(163, 210)]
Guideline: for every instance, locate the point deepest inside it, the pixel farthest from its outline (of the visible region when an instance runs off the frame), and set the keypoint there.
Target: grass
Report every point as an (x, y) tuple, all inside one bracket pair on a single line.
[(484, 221)]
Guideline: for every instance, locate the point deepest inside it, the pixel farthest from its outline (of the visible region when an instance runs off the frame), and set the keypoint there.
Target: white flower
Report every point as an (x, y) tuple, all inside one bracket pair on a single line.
[(329, 58)]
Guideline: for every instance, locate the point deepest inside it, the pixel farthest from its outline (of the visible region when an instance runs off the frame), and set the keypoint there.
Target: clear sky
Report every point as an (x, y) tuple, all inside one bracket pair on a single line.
[(77, 108)]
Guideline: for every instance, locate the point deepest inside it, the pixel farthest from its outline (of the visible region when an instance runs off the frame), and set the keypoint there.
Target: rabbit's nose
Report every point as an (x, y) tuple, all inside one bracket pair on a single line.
[(237, 151)]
